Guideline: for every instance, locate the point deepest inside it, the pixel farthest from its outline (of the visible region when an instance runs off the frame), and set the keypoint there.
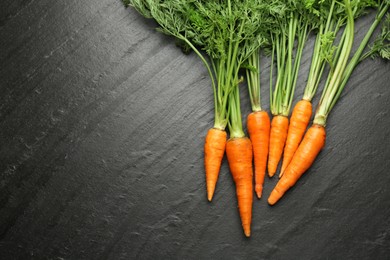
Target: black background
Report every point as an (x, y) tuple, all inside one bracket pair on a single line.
[(102, 124)]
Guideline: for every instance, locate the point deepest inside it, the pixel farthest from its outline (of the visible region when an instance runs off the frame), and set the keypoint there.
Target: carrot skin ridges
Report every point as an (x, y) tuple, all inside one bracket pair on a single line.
[(214, 149), (308, 150), (279, 128), (259, 125), (239, 155), (299, 121)]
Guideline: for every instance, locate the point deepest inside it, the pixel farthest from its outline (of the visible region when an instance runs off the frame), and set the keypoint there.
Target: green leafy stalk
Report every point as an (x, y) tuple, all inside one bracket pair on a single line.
[(235, 121), (302, 37), (253, 78), (330, 19), (276, 9), (293, 28), (328, 23), (380, 47), (335, 77)]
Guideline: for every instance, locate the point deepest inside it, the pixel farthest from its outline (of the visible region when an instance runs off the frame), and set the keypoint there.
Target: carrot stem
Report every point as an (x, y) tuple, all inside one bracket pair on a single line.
[(330, 91)]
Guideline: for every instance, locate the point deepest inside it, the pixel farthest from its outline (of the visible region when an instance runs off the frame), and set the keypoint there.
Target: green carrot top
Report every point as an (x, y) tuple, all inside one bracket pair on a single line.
[(330, 18), (228, 31), (339, 75), (294, 26)]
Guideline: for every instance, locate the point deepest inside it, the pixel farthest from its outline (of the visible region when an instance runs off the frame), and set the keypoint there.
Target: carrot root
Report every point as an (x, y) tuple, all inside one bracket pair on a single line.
[(299, 121), (308, 150), (279, 128), (239, 154), (259, 125), (214, 149)]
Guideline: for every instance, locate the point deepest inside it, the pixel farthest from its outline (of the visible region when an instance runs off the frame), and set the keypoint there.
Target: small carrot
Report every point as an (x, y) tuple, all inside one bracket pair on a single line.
[(279, 128), (304, 157), (214, 149), (258, 122), (299, 121), (258, 125), (239, 155)]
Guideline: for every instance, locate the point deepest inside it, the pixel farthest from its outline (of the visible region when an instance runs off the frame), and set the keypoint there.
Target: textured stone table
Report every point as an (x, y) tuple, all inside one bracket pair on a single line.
[(102, 122)]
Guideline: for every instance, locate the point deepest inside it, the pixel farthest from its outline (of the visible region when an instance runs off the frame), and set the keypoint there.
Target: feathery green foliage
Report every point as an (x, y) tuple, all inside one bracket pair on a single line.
[(331, 18), (339, 76), (228, 31), (294, 26), (381, 45), (252, 65), (232, 32)]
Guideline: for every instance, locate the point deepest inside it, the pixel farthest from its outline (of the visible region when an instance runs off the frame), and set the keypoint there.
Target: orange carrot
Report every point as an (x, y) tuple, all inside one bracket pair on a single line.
[(299, 121), (303, 158), (239, 155), (258, 124), (214, 149), (279, 128)]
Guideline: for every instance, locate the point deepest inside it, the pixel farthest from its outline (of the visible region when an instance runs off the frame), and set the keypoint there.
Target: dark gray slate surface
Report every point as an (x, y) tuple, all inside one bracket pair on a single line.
[(102, 121)]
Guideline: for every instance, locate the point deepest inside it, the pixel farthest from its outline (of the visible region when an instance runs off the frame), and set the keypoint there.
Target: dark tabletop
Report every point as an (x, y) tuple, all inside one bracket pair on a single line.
[(102, 125)]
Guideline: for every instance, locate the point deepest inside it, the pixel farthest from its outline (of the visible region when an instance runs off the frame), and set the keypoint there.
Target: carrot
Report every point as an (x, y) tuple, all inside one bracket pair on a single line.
[(279, 128), (258, 122), (298, 123), (239, 155), (304, 157), (214, 149), (258, 125)]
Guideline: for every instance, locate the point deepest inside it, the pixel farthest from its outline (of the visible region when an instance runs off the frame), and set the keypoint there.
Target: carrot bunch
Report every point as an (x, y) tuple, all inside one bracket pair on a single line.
[(228, 36), (314, 139), (229, 32), (327, 17)]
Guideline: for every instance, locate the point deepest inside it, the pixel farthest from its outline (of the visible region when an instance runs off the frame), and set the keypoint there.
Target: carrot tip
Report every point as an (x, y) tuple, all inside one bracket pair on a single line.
[(271, 174), (274, 197), (259, 190), (210, 196), (210, 190), (247, 232), (271, 202)]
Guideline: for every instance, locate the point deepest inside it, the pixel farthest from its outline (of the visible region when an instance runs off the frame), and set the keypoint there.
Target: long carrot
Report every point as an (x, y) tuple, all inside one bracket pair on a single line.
[(239, 154), (258, 122), (258, 125), (299, 120), (214, 149), (279, 128), (304, 157)]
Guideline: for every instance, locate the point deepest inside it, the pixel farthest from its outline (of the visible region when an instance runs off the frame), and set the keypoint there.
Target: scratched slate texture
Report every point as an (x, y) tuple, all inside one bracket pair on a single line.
[(102, 123)]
